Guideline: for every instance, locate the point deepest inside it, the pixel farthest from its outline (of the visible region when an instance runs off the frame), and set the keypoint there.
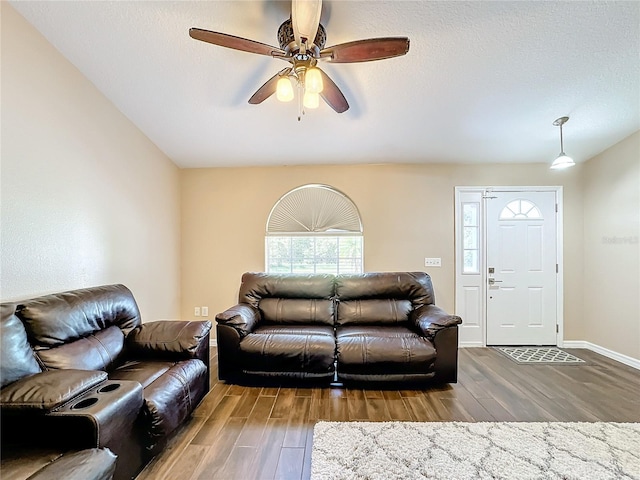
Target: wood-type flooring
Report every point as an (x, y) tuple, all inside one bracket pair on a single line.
[(246, 433)]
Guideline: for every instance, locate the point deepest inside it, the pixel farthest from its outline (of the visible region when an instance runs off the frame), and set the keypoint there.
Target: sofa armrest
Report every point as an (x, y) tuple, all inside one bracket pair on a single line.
[(169, 338), (48, 390), (430, 319), (242, 317)]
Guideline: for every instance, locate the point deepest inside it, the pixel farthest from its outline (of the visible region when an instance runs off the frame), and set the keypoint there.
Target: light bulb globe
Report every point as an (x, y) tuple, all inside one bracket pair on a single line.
[(563, 161), (313, 80), (311, 100), (284, 89)]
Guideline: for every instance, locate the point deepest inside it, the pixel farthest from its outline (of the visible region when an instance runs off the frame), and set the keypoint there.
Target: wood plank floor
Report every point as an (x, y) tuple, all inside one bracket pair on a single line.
[(245, 433)]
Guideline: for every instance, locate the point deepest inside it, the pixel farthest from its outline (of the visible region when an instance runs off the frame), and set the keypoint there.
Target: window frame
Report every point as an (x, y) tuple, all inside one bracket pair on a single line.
[(357, 260)]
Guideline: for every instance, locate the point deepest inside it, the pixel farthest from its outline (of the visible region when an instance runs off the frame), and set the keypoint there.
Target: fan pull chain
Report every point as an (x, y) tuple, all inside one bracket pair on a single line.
[(300, 97)]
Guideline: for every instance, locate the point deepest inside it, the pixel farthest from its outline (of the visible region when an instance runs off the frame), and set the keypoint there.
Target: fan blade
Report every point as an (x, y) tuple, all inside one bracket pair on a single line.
[(305, 17), (332, 94), (366, 50), (237, 43), (268, 89)]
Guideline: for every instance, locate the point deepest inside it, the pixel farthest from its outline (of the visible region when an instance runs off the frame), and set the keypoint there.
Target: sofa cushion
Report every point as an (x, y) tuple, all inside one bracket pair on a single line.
[(383, 350), (289, 348), (377, 311), (256, 286), (48, 390), (300, 311), (88, 464), (60, 318), (18, 462), (17, 359), (144, 372), (98, 351), (413, 286)]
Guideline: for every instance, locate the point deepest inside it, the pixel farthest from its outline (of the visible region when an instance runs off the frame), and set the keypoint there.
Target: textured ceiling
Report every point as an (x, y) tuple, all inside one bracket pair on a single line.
[(482, 82)]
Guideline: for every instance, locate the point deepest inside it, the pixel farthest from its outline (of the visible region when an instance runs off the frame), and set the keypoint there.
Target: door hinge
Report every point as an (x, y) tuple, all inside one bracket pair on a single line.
[(556, 208), (557, 268), (557, 328)]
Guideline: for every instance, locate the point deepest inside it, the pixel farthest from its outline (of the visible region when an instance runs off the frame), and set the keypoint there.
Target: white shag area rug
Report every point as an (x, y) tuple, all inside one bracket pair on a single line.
[(485, 450)]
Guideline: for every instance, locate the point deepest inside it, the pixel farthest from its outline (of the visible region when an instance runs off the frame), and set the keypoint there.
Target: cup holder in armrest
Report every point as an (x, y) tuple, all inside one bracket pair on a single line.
[(109, 388), (86, 403)]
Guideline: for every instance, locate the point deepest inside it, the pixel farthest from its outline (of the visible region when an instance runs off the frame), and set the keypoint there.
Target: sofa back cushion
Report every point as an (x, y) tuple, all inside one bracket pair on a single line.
[(289, 298), (17, 359), (382, 298), (98, 351), (303, 311), (80, 328), (377, 311)]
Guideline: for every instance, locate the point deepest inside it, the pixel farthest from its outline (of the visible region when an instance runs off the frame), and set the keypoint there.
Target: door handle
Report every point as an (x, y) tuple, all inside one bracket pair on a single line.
[(493, 281)]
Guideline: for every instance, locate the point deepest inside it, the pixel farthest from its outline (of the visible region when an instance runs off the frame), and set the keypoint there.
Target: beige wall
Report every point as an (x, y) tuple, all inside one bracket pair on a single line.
[(407, 213), (612, 248), (86, 198)]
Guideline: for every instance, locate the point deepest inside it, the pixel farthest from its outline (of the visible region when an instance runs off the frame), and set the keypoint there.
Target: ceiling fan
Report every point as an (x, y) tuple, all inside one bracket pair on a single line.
[(302, 44)]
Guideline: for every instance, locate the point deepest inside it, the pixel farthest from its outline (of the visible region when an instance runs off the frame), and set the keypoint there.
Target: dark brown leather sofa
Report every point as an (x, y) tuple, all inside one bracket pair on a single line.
[(369, 328), (80, 370)]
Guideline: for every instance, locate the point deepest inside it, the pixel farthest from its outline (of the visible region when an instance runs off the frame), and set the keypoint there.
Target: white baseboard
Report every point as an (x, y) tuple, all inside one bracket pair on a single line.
[(618, 357)]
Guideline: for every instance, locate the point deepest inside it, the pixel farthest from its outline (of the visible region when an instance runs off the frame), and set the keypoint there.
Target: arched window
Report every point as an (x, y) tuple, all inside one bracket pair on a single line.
[(314, 229)]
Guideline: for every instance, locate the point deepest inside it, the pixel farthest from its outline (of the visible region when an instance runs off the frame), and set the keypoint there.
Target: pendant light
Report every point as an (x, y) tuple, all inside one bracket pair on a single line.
[(563, 160)]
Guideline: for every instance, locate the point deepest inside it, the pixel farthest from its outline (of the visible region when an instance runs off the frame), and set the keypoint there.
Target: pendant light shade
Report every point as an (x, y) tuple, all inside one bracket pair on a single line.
[(313, 80), (311, 100), (284, 89), (563, 160)]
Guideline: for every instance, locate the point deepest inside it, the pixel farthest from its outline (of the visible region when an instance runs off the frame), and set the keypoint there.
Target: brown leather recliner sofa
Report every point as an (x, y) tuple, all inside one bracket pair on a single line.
[(80, 370), (364, 328)]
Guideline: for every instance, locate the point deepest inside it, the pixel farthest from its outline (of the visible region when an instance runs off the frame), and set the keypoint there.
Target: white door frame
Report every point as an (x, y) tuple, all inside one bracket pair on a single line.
[(470, 289)]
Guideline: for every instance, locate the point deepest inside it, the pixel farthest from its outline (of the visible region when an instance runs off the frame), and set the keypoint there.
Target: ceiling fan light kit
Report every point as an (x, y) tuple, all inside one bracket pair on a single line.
[(563, 161), (297, 48)]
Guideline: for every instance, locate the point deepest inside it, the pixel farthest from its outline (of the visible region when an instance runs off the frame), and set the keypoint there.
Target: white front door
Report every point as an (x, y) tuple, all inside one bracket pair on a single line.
[(521, 293)]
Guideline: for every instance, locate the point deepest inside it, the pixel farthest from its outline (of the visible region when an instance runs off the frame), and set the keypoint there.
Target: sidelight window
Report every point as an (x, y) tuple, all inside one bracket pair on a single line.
[(471, 237)]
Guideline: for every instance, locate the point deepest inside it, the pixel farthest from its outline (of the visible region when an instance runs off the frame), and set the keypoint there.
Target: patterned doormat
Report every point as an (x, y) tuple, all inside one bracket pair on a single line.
[(540, 355)]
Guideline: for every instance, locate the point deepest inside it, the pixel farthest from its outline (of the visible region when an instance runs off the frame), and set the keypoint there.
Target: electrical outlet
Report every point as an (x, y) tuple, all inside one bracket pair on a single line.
[(432, 262), (196, 311), (205, 311)]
